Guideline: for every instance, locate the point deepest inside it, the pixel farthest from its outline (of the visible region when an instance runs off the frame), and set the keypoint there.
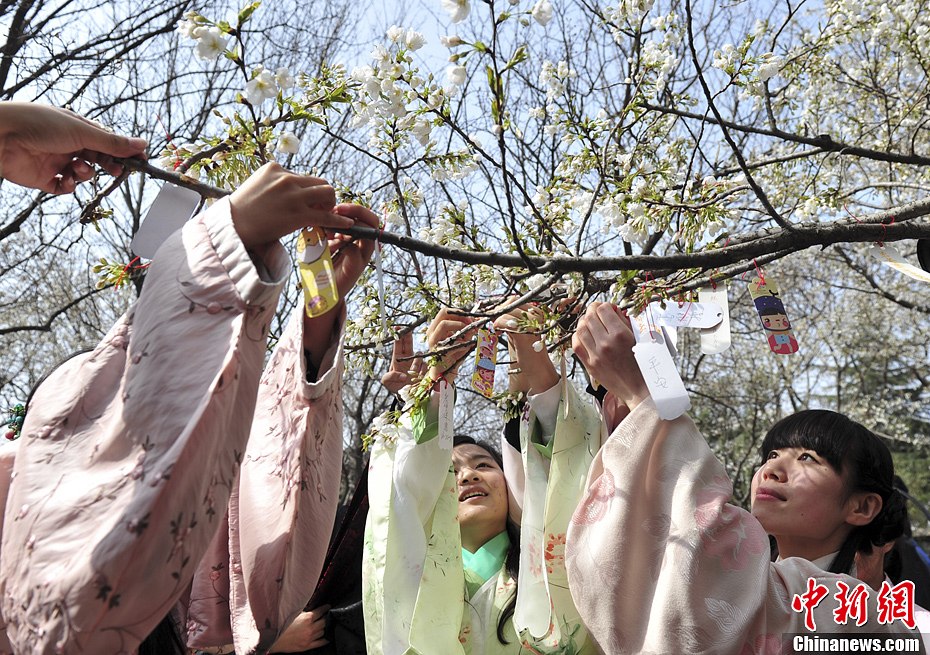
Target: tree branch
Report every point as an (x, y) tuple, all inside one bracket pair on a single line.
[(889, 225)]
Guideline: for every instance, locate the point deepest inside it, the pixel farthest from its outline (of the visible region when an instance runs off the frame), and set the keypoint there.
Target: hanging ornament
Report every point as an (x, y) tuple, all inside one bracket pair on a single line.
[(15, 423)]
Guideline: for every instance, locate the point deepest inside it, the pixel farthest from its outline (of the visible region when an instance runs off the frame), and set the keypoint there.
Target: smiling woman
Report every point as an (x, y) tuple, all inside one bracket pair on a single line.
[(825, 489), (479, 472), (442, 518)]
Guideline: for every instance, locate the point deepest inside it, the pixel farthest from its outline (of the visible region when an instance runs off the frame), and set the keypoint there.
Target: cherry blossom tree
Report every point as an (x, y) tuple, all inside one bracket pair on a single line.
[(634, 150)]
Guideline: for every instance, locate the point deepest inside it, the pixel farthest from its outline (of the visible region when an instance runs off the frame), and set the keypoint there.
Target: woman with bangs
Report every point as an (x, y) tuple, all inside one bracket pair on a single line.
[(660, 562), (817, 466), (459, 557)]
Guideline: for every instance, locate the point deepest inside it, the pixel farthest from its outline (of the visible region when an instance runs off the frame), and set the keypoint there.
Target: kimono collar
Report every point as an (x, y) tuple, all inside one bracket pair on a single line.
[(484, 563), (825, 562)]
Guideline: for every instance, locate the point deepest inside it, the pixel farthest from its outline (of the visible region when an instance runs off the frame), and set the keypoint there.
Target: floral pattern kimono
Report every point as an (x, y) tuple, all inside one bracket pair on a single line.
[(133, 456), (414, 584), (661, 563)]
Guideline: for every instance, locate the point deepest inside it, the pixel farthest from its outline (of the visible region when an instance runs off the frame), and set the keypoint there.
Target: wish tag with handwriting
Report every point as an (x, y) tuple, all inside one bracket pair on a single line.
[(654, 358), (665, 386), (716, 339), (446, 414), (687, 314), (889, 256)]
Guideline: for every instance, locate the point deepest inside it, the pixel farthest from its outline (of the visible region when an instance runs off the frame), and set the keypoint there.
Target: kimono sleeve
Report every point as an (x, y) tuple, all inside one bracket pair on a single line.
[(259, 573), (545, 616), (413, 581), (129, 454)]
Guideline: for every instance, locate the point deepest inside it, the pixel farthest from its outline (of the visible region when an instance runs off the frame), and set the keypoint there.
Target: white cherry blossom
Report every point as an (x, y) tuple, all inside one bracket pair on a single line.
[(414, 40), (458, 10), (284, 79), (261, 87), (542, 12), (211, 42), (456, 75), (288, 143)]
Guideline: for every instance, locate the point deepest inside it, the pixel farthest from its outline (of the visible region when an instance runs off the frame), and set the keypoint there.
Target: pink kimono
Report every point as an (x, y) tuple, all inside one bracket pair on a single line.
[(131, 456), (659, 562)]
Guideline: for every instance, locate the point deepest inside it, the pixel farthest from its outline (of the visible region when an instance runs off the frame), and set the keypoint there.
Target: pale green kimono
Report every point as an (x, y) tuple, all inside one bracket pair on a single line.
[(415, 594)]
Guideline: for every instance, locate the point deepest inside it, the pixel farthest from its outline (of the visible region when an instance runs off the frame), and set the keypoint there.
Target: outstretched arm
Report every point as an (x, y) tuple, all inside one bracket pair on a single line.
[(531, 371), (603, 341)]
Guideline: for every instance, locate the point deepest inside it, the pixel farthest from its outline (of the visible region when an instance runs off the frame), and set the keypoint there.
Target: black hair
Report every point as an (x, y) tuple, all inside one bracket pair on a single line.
[(512, 561), (856, 453), (164, 639), (771, 311)]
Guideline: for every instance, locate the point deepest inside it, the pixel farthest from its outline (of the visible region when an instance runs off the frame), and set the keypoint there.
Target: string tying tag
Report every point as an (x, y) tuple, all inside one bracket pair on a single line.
[(881, 243)]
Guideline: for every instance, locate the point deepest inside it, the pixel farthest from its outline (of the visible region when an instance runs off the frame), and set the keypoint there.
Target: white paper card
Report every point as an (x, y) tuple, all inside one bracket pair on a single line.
[(716, 339), (671, 340), (687, 314), (172, 208), (889, 256), (645, 329), (665, 386), (446, 411), (382, 305)]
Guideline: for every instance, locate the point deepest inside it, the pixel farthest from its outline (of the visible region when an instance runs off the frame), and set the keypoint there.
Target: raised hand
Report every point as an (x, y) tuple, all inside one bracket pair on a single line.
[(603, 342), (351, 255), (531, 369), (403, 370), (54, 149), (444, 326), (274, 202)]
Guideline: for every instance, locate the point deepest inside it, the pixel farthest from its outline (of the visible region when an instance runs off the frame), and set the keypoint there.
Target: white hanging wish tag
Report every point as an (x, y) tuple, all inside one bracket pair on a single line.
[(446, 410), (566, 397), (665, 386), (716, 339), (379, 276), (658, 368), (671, 340), (889, 256), (645, 329), (687, 314), (171, 209)]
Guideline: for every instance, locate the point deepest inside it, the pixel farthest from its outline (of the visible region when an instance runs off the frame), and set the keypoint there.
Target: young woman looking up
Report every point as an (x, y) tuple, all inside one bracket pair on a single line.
[(660, 562), (440, 521)]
